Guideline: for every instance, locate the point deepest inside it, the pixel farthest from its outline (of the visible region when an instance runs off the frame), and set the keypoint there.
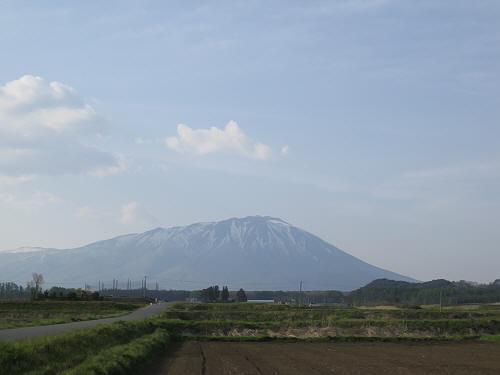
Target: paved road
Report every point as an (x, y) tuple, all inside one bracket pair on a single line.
[(16, 334)]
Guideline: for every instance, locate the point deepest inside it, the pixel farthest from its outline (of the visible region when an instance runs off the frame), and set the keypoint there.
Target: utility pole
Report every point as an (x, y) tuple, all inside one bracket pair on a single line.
[(300, 293), (145, 286), (441, 300)]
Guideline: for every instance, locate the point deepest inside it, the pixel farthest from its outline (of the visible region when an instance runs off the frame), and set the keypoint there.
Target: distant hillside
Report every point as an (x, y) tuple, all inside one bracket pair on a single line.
[(260, 253), (385, 291)]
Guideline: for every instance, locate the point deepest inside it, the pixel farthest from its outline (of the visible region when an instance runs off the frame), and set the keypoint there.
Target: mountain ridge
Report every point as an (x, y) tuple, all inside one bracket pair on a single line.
[(254, 252)]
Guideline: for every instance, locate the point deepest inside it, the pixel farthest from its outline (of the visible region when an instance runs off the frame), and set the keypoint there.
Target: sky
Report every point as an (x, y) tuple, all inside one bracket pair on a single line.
[(374, 124)]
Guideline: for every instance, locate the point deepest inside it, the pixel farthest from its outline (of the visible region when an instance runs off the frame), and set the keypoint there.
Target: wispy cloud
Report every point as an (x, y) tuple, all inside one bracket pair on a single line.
[(441, 187), (454, 171)]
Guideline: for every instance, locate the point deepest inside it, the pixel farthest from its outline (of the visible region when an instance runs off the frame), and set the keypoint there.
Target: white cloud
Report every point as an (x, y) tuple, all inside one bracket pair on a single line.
[(46, 128), (285, 150), (133, 212), (230, 140)]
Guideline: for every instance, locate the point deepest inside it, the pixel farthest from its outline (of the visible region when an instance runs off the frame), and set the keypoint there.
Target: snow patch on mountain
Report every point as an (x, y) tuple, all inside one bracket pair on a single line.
[(27, 249)]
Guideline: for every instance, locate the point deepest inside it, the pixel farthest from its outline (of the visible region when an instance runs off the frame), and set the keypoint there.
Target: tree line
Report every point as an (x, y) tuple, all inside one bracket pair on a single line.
[(34, 290), (10, 290), (375, 293), (214, 294), (439, 291)]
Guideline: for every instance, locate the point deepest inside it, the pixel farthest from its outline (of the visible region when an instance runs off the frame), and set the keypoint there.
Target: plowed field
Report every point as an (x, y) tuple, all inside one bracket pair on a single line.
[(224, 358)]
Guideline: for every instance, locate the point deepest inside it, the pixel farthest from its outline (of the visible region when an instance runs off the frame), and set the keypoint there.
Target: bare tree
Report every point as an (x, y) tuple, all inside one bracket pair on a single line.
[(37, 282)]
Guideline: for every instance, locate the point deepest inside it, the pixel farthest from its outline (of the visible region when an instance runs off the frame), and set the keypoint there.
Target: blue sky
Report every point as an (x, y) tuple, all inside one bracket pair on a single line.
[(373, 124)]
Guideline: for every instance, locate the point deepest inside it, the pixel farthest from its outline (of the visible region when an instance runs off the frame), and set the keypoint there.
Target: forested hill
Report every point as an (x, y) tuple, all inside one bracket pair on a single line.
[(383, 291)]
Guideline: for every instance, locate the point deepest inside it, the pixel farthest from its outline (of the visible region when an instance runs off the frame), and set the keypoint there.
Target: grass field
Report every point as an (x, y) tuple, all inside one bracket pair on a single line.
[(197, 335), (282, 321), (34, 313)]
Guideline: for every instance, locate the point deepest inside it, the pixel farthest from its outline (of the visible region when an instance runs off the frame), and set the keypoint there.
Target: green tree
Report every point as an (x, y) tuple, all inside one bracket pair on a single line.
[(241, 296), (210, 294), (215, 293), (225, 294)]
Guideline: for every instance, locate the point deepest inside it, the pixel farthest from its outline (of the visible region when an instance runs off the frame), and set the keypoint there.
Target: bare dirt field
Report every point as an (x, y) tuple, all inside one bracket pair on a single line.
[(221, 358)]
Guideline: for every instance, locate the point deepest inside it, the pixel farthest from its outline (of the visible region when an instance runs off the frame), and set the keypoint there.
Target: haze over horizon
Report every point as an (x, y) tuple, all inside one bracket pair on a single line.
[(373, 124)]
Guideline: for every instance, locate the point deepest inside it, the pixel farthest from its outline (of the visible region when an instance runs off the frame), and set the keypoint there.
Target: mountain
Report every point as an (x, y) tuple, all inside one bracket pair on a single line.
[(256, 253)]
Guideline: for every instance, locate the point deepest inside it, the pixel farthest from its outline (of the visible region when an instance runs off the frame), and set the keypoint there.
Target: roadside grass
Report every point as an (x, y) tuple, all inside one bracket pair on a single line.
[(124, 359), (53, 354), (34, 313)]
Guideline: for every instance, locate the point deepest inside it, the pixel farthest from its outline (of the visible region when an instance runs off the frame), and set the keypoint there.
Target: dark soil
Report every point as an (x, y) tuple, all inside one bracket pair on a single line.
[(221, 358)]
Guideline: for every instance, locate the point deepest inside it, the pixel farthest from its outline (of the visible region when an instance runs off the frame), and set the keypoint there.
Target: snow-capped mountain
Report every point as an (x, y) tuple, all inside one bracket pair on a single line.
[(256, 253)]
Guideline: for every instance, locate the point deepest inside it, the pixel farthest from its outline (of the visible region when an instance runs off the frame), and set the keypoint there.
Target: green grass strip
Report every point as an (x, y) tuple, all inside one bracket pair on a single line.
[(124, 359), (491, 338), (53, 354)]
